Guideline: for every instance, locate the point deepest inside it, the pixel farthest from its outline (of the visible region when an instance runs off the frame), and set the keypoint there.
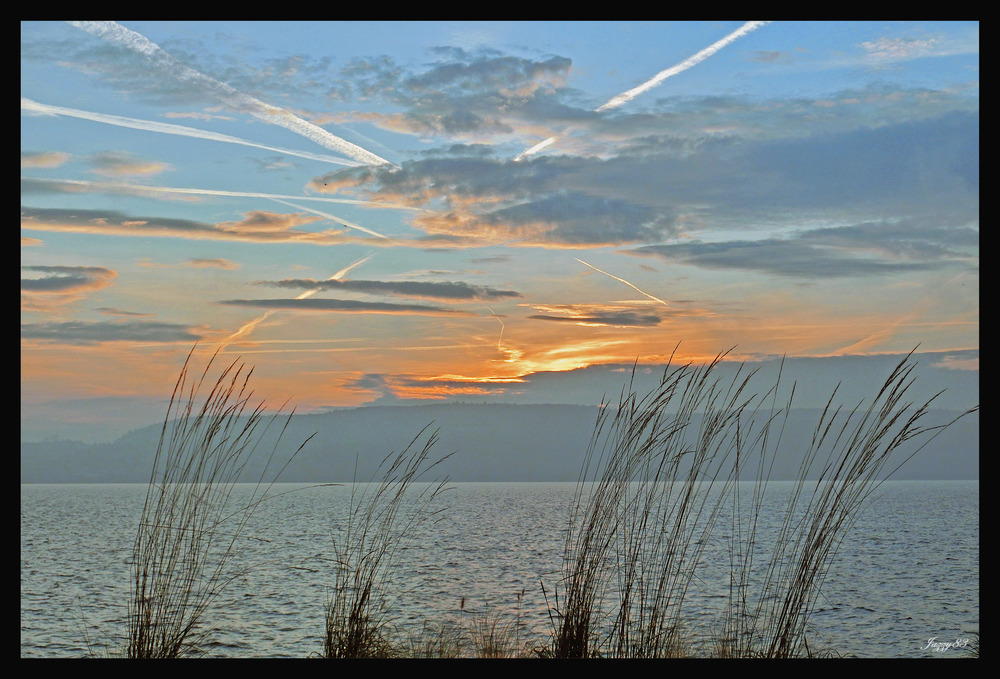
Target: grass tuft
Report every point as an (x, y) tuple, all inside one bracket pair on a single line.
[(663, 471), (191, 525), (851, 454), (383, 517)]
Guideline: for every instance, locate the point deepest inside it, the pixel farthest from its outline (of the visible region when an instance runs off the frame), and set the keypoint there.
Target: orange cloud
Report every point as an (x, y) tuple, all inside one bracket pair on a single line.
[(50, 287), (258, 227)]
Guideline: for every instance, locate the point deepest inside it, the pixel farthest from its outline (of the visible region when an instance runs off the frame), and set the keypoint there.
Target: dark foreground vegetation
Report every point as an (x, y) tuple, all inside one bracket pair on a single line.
[(658, 479)]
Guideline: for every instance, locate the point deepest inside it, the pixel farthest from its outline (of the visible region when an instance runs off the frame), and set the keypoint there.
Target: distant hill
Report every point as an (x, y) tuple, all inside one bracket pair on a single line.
[(490, 443)]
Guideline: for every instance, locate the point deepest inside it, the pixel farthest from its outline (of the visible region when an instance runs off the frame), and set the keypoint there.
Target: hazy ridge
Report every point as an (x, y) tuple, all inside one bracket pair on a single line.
[(490, 443)]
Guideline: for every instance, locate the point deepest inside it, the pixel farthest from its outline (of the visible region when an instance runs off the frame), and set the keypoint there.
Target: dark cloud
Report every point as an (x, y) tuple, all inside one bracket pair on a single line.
[(111, 311), (794, 258), (580, 219), (455, 385), (888, 171), (520, 201), (432, 290), (342, 305), (918, 169), (899, 166), (473, 177), (63, 279), (98, 219), (373, 381), (488, 70), (464, 92), (928, 239), (257, 226), (459, 150), (84, 332), (32, 185), (615, 318)]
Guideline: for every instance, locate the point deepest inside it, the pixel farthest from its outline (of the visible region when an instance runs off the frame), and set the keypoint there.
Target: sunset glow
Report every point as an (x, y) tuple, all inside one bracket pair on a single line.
[(406, 212)]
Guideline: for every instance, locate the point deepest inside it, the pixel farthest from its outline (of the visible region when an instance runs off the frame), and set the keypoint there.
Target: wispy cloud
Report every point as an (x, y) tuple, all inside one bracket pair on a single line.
[(893, 49), (98, 332), (344, 306)]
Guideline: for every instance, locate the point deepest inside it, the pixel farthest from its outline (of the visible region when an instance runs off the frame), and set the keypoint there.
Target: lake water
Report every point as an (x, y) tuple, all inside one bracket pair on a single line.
[(906, 573)]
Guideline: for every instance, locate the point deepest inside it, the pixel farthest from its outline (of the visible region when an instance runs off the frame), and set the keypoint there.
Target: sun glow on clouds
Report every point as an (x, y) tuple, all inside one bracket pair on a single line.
[(755, 220)]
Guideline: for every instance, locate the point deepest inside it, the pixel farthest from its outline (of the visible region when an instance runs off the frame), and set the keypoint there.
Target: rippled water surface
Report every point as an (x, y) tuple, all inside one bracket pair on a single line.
[(907, 572)]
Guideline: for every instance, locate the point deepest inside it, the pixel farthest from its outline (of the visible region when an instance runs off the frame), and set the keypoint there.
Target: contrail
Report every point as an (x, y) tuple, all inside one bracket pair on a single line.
[(537, 147), (881, 336), (171, 128), (247, 328), (610, 275), (500, 340), (694, 60), (135, 188), (116, 33), (331, 217)]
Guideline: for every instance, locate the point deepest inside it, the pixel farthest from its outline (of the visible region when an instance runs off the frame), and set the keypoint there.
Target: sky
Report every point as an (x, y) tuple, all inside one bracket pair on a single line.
[(423, 212)]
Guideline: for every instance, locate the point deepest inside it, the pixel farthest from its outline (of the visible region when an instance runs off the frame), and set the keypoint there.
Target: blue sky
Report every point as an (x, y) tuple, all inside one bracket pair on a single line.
[(382, 212)]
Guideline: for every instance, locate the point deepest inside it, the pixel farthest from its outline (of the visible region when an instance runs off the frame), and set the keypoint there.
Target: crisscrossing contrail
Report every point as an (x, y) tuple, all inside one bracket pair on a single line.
[(248, 327), (500, 339), (118, 34)]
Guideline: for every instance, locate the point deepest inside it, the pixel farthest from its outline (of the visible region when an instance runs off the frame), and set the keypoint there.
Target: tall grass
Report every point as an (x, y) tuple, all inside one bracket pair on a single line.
[(494, 635), (434, 640), (384, 517), (852, 452), (663, 470), (643, 512), (191, 525), (663, 475)]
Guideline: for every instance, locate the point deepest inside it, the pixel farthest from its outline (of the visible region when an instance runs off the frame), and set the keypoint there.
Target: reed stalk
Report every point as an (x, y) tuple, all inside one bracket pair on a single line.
[(493, 635), (383, 518), (662, 473), (852, 452), (645, 506), (191, 524)]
